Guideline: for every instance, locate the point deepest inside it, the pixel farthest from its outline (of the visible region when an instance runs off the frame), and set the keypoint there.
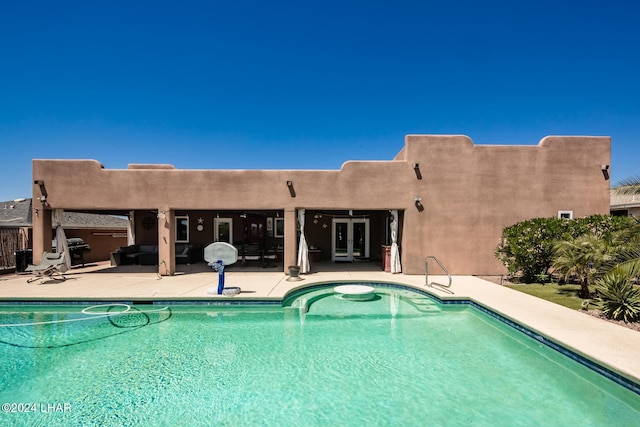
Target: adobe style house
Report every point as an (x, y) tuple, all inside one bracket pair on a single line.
[(452, 199)]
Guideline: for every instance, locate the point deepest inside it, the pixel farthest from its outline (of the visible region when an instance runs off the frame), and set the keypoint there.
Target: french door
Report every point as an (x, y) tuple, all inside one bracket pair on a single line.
[(349, 239)]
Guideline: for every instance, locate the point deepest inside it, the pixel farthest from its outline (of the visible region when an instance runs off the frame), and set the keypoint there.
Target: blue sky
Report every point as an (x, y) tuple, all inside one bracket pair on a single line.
[(307, 85)]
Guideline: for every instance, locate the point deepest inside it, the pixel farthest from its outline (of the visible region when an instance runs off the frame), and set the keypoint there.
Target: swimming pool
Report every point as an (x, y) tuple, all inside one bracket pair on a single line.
[(399, 358)]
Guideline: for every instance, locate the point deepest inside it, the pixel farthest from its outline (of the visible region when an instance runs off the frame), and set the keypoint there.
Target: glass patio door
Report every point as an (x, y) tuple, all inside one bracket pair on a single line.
[(223, 230), (349, 239)]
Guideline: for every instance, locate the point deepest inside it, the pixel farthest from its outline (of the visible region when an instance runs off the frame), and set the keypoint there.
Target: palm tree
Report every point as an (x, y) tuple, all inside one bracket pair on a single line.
[(628, 186), (582, 257), (620, 298), (629, 258)]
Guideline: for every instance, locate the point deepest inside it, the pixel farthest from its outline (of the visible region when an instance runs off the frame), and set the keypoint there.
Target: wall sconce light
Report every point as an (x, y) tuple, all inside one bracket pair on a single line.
[(418, 203), (43, 190), (161, 215), (292, 191), (416, 169), (605, 171)]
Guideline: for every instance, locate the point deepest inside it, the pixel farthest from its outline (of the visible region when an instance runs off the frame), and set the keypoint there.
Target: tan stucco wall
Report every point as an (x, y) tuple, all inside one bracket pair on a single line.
[(102, 242), (469, 192)]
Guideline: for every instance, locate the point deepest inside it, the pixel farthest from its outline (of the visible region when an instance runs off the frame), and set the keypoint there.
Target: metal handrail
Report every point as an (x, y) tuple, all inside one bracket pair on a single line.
[(426, 271)]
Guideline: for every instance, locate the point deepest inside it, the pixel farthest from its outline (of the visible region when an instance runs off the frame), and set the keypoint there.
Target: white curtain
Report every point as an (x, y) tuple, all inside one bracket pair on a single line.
[(61, 238), (396, 267), (131, 237), (303, 249)]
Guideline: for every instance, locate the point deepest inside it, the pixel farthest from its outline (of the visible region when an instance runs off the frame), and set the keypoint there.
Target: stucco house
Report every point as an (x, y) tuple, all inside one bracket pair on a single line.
[(452, 199), (625, 204)]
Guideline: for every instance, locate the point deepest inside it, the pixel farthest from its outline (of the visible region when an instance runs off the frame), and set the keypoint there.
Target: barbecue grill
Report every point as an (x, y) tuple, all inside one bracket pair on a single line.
[(77, 248)]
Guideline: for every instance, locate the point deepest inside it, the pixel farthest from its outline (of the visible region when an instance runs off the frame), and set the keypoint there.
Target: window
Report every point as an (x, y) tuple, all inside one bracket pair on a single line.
[(565, 214), (182, 229), (279, 228), (623, 212)]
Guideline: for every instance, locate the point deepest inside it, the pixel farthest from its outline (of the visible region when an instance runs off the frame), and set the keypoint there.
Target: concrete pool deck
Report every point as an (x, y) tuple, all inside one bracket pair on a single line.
[(612, 346)]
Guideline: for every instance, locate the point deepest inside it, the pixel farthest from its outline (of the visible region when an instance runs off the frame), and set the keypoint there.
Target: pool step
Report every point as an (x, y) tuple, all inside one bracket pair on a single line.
[(425, 305)]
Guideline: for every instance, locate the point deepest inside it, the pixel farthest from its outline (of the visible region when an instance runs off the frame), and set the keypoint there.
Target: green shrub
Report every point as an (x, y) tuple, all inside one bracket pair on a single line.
[(620, 298), (526, 248)]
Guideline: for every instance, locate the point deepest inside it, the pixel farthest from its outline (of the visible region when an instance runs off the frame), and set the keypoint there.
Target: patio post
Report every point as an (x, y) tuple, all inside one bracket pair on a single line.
[(290, 239), (42, 230), (166, 242)]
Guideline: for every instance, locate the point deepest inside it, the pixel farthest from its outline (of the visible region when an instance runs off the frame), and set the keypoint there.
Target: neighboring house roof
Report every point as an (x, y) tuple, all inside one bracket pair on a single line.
[(17, 213), (624, 201)]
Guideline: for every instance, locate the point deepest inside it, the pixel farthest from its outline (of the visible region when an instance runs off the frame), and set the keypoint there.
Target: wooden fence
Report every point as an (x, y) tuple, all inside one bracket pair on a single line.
[(11, 240)]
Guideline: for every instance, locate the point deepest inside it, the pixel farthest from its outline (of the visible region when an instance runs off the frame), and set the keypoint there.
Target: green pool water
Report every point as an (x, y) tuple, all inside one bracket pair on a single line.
[(400, 359)]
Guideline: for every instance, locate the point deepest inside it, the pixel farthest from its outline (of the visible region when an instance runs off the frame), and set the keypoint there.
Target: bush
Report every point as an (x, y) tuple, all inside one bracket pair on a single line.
[(620, 298), (606, 227), (526, 248)]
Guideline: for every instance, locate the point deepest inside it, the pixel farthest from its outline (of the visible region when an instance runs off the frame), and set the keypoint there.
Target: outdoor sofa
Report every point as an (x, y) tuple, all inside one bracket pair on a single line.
[(185, 253)]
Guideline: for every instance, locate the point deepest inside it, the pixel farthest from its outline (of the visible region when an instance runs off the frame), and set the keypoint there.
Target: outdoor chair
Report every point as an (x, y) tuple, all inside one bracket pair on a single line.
[(269, 259), (52, 264), (250, 252)]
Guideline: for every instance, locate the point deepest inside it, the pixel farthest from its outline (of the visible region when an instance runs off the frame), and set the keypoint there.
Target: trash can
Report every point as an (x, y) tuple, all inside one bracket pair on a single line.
[(23, 259)]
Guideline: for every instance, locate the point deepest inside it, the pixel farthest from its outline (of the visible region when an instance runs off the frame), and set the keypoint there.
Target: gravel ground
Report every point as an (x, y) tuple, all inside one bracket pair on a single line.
[(597, 313), (502, 280)]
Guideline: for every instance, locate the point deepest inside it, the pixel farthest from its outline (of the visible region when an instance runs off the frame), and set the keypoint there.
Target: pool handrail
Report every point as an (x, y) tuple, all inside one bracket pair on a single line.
[(426, 272)]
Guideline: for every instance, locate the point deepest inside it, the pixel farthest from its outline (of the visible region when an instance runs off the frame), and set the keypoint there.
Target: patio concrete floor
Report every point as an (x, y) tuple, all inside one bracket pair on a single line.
[(610, 345)]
